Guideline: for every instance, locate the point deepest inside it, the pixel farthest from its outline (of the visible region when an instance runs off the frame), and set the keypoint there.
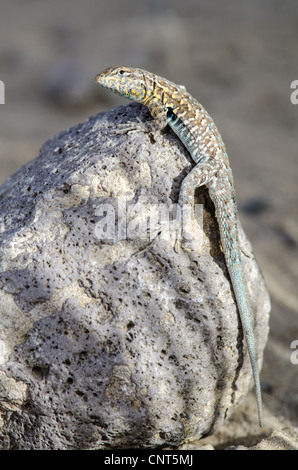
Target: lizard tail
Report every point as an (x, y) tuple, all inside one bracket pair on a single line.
[(237, 276)]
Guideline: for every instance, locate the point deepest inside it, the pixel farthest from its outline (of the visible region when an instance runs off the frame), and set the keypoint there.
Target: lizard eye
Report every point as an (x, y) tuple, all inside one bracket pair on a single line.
[(121, 72)]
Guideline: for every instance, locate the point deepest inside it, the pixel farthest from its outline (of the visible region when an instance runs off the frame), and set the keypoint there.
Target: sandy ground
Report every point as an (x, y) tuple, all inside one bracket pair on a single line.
[(238, 58)]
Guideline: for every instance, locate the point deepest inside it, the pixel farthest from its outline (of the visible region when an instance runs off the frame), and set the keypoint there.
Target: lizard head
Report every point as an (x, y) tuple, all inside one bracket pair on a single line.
[(124, 81)]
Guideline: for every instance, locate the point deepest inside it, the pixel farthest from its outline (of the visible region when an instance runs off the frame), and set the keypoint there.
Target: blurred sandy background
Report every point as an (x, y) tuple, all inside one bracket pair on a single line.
[(238, 58)]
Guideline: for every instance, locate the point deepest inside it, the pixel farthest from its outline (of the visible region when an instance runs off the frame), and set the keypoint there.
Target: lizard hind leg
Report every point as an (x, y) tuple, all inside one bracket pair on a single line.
[(191, 230)]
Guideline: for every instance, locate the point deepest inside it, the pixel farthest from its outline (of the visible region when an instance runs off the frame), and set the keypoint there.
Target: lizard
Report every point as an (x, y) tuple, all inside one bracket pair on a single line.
[(170, 104)]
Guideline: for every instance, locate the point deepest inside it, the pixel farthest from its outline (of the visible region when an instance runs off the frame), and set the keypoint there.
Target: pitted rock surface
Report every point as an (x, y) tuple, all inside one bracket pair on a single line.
[(110, 339)]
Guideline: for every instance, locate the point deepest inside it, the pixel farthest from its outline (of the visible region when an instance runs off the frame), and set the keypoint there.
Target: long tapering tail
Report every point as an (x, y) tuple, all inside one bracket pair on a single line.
[(237, 275)]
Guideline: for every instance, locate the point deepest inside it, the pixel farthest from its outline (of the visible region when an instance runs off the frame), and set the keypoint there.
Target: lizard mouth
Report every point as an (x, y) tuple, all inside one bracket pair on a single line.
[(108, 84), (99, 79)]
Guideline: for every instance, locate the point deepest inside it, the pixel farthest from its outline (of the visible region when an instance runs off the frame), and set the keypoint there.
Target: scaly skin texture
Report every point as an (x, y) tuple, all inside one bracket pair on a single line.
[(170, 104)]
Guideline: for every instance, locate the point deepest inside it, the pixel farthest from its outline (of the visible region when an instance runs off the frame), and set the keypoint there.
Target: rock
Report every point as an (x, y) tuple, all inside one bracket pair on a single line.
[(107, 340)]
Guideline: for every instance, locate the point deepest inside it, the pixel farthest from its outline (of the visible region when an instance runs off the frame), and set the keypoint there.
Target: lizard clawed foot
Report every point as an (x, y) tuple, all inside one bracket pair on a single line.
[(189, 240), (189, 243), (130, 127)]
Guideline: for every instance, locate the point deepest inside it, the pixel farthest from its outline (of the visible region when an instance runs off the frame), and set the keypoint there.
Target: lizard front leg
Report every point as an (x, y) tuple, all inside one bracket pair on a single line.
[(159, 121)]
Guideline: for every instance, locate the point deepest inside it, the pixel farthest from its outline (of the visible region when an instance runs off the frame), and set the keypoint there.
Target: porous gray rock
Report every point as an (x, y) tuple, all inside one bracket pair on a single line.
[(110, 339)]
